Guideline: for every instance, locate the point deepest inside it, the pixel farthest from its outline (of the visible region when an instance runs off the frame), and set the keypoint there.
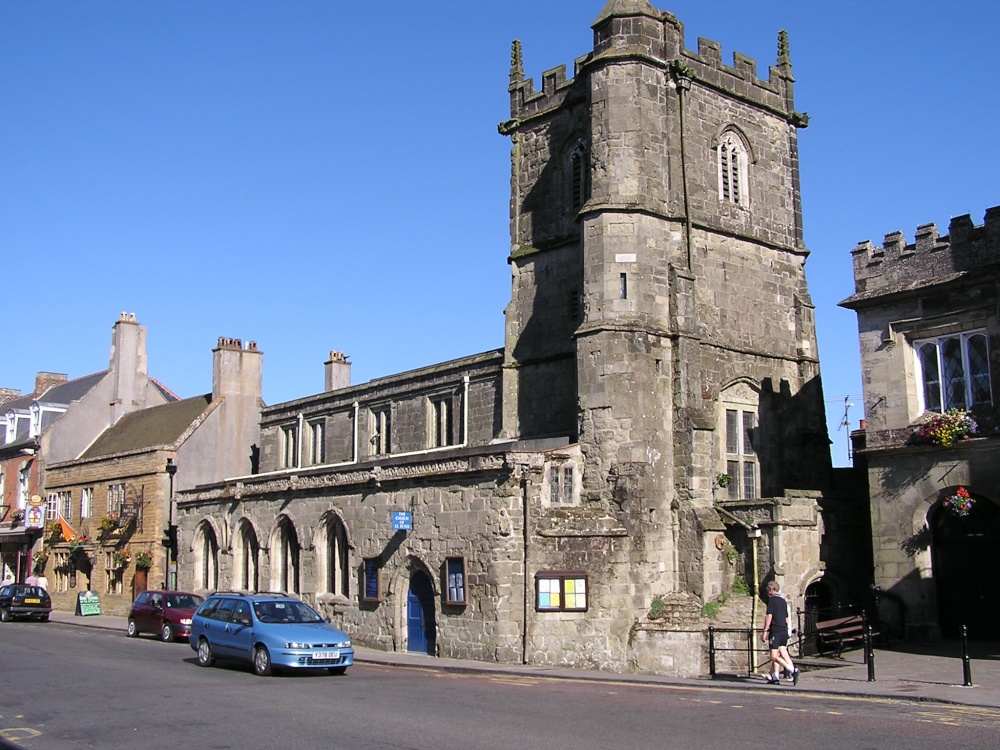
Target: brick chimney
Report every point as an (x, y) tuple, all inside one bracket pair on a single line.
[(337, 372), (46, 380)]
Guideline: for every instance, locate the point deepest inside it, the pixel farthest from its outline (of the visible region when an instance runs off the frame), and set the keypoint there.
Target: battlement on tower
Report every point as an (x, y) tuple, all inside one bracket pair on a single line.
[(897, 264), (633, 29)]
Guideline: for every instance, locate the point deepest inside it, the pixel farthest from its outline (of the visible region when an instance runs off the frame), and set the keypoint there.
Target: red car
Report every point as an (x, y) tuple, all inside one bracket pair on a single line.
[(167, 613)]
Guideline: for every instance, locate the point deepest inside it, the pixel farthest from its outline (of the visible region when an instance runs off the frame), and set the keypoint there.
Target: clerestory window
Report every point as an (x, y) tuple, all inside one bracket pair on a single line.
[(954, 371)]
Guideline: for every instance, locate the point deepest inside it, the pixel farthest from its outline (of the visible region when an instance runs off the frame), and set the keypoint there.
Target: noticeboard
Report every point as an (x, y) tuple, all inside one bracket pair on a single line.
[(87, 603), (371, 584)]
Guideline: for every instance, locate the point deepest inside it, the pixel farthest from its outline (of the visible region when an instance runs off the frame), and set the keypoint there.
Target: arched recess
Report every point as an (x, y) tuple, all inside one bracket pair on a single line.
[(286, 553), (416, 597), (966, 567), (246, 556), (333, 572), (205, 556)]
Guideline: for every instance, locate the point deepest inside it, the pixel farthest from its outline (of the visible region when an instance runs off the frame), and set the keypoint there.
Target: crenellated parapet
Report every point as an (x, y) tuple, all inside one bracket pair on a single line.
[(633, 29), (930, 258)]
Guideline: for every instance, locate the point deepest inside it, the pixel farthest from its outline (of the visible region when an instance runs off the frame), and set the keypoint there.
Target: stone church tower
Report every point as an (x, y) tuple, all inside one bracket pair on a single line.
[(659, 312)]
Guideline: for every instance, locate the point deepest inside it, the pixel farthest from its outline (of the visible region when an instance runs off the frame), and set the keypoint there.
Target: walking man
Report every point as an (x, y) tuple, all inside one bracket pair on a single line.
[(775, 635)]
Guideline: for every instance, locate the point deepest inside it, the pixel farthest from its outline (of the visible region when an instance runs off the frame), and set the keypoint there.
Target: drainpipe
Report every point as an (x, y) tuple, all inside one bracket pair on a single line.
[(357, 416), (465, 411), (524, 567), (682, 76)]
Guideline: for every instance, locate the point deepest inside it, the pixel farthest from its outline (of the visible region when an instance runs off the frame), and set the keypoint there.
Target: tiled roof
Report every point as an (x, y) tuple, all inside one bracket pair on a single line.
[(146, 428), (71, 390)]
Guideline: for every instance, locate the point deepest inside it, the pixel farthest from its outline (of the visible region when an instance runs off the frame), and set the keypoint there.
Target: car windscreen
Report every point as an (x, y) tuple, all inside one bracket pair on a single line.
[(183, 601), (285, 611)]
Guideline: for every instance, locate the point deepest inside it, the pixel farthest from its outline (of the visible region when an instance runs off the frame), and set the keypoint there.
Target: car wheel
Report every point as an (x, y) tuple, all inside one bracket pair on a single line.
[(45, 618), (261, 661), (338, 670), (205, 657), (133, 630), (5, 615), (166, 633)]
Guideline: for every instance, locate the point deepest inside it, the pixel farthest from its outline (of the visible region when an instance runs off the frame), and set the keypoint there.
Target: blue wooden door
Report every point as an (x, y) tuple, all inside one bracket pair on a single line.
[(420, 615)]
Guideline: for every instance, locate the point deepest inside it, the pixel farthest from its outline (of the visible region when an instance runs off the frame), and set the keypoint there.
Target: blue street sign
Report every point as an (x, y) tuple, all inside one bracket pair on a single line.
[(402, 520)]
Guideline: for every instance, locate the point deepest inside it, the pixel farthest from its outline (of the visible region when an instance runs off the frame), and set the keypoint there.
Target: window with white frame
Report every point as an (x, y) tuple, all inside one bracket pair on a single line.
[(317, 442), (561, 478), (23, 485), (86, 502), (441, 422), (733, 170), (66, 505), (116, 498), (741, 456), (58, 503), (289, 446), (954, 371), (381, 426)]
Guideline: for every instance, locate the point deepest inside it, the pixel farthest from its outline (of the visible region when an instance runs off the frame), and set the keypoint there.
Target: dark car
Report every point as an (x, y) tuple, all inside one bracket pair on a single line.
[(22, 600), (166, 613), (270, 631)]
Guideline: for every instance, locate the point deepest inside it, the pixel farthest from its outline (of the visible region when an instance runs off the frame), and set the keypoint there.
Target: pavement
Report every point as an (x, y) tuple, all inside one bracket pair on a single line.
[(933, 675)]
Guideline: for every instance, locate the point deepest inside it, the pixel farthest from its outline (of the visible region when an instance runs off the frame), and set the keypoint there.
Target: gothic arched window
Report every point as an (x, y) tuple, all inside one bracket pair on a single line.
[(579, 173), (733, 162)]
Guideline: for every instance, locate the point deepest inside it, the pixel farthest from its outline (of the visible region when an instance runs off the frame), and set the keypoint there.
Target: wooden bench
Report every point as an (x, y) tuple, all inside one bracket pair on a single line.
[(840, 633)]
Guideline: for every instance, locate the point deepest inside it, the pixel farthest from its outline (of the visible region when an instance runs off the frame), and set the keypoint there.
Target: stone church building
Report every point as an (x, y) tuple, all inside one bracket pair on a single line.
[(652, 428)]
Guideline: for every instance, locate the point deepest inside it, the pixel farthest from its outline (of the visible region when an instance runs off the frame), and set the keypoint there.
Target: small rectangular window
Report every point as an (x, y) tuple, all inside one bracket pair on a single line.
[(381, 431), (371, 580), (732, 432), (289, 446), (86, 502), (442, 433), (454, 580), (623, 286), (317, 442), (733, 470), (749, 479), (561, 592)]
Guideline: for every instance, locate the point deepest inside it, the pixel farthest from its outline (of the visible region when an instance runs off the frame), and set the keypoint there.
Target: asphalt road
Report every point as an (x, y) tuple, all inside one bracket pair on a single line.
[(66, 687)]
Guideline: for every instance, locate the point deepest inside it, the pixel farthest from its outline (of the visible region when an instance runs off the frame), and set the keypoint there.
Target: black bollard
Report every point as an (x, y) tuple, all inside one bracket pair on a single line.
[(711, 650), (869, 653), (966, 664)]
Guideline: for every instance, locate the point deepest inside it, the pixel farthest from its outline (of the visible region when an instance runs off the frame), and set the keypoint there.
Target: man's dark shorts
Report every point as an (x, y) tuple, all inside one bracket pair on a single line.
[(778, 638)]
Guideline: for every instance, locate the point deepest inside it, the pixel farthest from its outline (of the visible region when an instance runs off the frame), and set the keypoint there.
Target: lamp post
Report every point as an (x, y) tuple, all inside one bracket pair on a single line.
[(170, 533)]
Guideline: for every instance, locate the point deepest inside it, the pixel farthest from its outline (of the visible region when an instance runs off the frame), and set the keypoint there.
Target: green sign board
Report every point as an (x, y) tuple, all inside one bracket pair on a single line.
[(87, 603)]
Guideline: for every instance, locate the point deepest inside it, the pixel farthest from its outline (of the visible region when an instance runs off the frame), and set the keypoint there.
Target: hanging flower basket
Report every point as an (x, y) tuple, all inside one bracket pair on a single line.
[(16, 517), (40, 558), (945, 429), (56, 531), (78, 544), (143, 559), (110, 522), (121, 558), (960, 503)]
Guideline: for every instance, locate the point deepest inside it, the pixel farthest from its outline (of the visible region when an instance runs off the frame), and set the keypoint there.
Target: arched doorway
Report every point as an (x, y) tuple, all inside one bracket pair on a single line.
[(966, 569), (285, 552), (818, 605), (206, 558), (247, 551), (421, 632)]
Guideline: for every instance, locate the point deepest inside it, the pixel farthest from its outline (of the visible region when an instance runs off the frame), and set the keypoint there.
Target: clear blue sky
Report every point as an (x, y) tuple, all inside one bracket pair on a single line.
[(328, 175)]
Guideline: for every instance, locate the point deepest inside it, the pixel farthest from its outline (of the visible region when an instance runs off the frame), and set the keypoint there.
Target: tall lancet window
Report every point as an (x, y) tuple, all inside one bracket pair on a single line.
[(733, 171)]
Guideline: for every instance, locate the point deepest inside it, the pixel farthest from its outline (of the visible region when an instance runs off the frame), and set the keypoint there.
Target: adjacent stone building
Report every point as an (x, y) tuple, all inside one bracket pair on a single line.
[(113, 501), (929, 332), (652, 429), (56, 422)]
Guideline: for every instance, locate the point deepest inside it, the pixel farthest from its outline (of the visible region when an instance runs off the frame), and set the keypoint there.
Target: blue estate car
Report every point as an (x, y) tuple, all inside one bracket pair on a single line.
[(271, 631)]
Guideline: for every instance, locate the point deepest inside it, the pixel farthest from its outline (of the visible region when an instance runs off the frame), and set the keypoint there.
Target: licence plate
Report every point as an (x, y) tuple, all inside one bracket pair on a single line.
[(32, 601), (326, 655)]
